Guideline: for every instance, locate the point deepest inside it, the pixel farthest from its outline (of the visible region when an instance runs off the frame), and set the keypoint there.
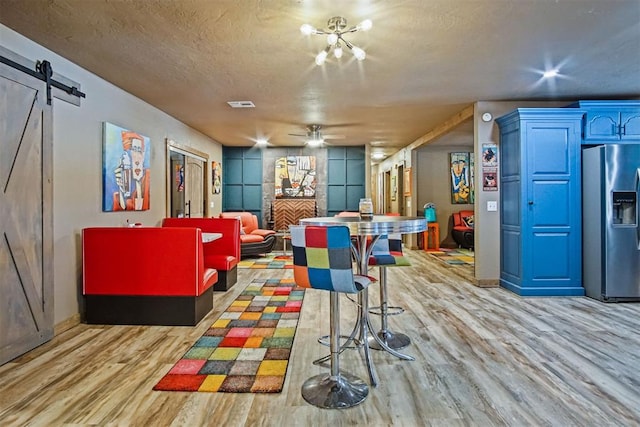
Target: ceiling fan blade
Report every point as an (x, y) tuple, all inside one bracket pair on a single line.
[(296, 134), (334, 136)]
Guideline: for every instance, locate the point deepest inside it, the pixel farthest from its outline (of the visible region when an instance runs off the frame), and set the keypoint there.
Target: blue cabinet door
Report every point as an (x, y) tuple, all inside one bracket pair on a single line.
[(630, 125), (552, 207), (540, 220)]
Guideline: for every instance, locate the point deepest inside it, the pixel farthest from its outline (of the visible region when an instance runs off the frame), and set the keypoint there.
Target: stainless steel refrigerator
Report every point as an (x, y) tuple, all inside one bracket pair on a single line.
[(610, 232)]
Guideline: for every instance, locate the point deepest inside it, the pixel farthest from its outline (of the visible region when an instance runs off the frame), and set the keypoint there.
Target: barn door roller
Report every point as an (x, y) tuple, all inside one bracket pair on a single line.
[(44, 72)]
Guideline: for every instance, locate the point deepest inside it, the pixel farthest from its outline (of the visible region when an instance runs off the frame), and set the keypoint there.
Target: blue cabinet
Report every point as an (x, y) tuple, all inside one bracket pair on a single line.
[(610, 121), (540, 224)]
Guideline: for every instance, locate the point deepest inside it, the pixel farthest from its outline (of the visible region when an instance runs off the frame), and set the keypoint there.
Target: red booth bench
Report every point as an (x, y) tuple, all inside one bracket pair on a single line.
[(223, 254), (145, 276)]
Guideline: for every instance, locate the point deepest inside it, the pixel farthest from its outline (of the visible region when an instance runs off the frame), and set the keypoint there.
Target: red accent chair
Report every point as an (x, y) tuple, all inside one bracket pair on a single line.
[(462, 231), (145, 276), (223, 254), (253, 240)]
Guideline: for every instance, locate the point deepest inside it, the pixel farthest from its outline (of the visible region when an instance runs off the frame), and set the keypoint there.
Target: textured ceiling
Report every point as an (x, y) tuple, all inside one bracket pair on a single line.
[(426, 59)]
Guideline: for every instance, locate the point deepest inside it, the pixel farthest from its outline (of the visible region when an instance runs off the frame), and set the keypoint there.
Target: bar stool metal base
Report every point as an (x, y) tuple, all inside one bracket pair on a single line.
[(334, 392), (392, 340)]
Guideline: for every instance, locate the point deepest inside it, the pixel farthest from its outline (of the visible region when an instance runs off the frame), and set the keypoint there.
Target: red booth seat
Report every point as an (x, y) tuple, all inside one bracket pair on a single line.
[(223, 254), (145, 276)]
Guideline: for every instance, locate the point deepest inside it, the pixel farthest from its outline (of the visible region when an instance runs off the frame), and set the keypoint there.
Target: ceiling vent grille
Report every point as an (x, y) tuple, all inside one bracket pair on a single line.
[(241, 104)]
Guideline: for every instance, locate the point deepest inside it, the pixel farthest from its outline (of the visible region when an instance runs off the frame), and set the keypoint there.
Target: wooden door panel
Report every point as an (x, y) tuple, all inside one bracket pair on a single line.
[(26, 269), (194, 186)]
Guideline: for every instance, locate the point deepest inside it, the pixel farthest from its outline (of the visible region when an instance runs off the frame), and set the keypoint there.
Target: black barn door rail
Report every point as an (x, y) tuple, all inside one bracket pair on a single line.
[(43, 72)]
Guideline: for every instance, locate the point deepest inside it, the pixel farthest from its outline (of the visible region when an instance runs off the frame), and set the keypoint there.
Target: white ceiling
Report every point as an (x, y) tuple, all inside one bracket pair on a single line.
[(426, 59)]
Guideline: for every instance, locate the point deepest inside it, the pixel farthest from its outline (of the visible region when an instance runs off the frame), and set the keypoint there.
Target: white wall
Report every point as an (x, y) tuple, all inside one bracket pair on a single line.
[(77, 164)]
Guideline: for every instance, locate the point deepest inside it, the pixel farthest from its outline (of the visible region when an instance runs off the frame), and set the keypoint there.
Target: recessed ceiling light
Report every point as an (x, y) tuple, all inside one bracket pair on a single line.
[(378, 155), (262, 141), (550, 73), (241, 104)]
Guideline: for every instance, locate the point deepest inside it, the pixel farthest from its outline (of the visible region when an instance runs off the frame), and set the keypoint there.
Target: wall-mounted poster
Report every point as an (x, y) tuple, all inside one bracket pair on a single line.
[(216, 177), (460, 184), (489, 179), (295, 177), (126, 179), (489, 155)]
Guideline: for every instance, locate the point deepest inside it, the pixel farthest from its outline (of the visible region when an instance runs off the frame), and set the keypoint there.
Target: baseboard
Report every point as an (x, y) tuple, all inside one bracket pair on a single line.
[(66, 324)]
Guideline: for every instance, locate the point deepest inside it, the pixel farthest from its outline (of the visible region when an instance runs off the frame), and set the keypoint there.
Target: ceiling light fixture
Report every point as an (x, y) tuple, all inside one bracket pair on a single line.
[(337, 27), (314, 136)]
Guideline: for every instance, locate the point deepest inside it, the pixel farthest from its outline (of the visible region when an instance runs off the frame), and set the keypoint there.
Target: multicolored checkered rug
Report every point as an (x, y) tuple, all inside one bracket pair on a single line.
[(247, 349), (455, 256), (269, 261)]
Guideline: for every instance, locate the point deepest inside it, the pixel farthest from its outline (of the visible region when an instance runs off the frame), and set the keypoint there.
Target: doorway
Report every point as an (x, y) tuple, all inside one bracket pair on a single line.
[(186, 181)]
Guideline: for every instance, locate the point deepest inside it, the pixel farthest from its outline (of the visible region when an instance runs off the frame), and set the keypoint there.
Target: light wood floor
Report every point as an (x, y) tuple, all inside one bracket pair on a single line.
[(484, 357)]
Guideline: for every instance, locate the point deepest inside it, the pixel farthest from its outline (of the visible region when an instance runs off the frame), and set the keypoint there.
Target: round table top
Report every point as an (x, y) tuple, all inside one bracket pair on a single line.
[(379, 224)]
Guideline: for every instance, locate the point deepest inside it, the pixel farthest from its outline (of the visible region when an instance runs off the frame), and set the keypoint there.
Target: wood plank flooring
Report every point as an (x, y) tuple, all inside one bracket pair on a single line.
[(484, 357)]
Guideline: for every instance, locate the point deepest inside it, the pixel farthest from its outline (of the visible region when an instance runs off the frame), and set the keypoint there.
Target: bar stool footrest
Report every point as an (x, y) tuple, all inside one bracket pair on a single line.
[(324, 340), (391, 311)]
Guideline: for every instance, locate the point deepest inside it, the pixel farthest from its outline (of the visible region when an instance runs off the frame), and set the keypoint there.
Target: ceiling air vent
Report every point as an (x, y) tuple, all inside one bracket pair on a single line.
[(241, 104)]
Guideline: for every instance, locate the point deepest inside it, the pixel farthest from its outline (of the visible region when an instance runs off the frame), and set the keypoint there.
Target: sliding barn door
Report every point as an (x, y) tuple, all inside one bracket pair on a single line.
[(26, 219)]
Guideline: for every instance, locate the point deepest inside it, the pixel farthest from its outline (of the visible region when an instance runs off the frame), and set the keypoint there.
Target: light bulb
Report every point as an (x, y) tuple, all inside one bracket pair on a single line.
[(332, 38), (307, 29), (365, 25), (337, 52), (359, 53), (321, 57), (315, 142)]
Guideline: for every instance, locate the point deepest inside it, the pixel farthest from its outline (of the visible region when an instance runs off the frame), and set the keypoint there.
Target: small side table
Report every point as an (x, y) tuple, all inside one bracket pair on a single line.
[(431, 237), (285, 235)]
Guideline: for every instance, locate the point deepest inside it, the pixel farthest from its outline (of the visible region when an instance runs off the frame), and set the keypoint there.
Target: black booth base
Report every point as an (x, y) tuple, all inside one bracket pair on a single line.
[(226, 279), (147, 310)]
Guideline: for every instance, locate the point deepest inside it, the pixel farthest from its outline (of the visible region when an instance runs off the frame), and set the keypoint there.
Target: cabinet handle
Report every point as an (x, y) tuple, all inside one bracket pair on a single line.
[(623, 129), (530, 202)]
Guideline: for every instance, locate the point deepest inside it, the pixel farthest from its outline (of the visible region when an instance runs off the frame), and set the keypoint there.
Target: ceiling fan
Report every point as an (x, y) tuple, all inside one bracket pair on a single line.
[(315, 137)]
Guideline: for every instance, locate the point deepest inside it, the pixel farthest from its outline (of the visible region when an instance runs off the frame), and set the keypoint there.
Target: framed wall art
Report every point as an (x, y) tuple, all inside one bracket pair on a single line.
[(216, 177), (125, 169), (295, 177), (460, 184)]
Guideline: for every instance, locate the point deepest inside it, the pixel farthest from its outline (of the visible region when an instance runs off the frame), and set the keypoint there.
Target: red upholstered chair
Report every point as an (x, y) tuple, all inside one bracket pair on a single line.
[(253, 240), (462, 231)]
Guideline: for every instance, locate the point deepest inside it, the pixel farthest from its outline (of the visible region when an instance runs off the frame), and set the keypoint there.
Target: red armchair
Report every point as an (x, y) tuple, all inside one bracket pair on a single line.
[(223, 254), (462, 231), (145, 276), (253, 240)]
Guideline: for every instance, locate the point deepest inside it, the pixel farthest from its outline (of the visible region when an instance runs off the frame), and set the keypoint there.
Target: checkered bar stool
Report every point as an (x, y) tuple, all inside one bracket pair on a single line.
[(322, 260), (387, 252)]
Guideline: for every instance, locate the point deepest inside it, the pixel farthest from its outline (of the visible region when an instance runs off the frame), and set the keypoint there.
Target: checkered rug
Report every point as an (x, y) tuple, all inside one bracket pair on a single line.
[(269, 261), (455, 256), (247, 349)]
